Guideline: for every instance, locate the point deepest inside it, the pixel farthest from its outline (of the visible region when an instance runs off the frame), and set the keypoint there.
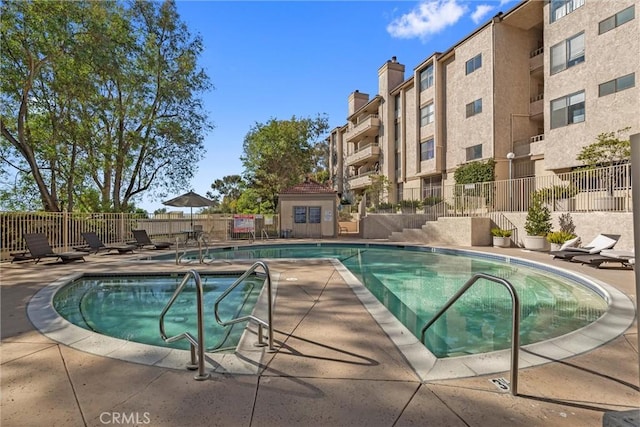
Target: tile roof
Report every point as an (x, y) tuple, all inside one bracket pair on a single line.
[(309, 186)]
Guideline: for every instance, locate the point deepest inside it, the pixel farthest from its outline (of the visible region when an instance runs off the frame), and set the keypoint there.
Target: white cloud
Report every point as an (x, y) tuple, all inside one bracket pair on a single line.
[(428, 18), (480, 12)]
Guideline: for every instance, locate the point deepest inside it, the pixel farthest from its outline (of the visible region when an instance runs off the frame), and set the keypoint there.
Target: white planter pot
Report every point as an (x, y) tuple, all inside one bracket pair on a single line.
[(536, 243), (501, 242), (555, 246)]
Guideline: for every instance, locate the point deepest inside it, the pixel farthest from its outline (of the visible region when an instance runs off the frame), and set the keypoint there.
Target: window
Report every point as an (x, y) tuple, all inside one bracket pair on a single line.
[(426, 114), (474, 107), (396, 135), (398, 160), (560, 8), (618, 19), (568, 53), (473, 64), (426, 77), (616, 85), (299, 214), (474, 152), (314, 215), (426, 150), (567, 110), (397, 108)]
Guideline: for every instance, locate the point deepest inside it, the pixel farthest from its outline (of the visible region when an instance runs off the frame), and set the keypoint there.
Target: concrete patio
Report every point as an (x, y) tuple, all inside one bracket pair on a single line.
[(335, 366)]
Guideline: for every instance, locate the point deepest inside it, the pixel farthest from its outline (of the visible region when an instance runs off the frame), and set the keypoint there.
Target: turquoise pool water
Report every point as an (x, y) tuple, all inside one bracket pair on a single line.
[(129, 307), (414, 283)]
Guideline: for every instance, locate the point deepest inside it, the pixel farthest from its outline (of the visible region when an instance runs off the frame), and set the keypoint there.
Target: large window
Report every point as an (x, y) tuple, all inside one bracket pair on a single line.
[(426, 77), (426, 114), (567, 110), (314, 215), (473, 64), (306, 214), (426, 150), (474, 152), (300, 214), (560, 8), (474, 107), (616, 85), (397, 106), (568, 53), (618, 19)]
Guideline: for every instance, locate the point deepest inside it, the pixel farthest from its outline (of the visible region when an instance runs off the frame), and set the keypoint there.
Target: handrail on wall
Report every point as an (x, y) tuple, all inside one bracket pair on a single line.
[(515, 332)]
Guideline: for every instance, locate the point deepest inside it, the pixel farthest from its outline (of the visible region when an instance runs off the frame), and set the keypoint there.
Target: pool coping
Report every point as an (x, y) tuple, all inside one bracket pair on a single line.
[(248, 359)]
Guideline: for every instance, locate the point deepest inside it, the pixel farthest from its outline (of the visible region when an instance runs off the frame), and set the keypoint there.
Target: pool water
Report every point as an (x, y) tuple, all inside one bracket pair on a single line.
[(414, 284), (129, 307)]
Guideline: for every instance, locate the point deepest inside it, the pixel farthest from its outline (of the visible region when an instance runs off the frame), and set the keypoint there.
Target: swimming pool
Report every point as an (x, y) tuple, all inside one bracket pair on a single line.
[(415, 282), (128, 306)]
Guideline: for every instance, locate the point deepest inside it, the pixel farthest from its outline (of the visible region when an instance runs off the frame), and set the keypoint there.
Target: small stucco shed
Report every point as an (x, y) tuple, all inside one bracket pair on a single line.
[(308, 209)]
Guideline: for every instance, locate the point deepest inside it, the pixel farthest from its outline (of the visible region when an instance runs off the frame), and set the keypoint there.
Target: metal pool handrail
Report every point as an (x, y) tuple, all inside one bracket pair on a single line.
[(194, 343), (515, 327), (260, 322)]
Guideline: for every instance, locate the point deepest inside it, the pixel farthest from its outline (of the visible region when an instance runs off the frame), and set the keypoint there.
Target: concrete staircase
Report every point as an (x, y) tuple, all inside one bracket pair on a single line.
[(456, 231)]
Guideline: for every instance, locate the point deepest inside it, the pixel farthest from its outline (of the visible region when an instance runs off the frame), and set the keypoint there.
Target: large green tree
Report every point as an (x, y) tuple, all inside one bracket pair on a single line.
[(99, 98), (280, 153), (230, 188)]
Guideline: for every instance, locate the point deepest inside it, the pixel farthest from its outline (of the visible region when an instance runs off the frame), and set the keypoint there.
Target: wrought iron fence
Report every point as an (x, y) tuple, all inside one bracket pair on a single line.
[(601, 189)]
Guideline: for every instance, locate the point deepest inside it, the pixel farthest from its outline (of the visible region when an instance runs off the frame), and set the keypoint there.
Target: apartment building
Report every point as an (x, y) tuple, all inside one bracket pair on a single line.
[(528, 89)]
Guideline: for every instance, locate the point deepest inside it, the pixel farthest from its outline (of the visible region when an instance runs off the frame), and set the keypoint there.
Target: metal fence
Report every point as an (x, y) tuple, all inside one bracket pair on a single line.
[(602, 189), (63, 229)]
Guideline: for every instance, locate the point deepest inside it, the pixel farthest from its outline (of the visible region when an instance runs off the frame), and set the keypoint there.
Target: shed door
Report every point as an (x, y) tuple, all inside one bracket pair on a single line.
[(307, 221)]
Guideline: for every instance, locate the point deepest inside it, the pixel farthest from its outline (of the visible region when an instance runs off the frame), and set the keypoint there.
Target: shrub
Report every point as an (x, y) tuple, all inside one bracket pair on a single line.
[(559, 237), (538, 221), (499, 232), (566, 224)]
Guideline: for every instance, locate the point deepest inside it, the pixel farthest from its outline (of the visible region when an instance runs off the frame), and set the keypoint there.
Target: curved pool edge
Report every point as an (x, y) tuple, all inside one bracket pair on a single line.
[(246, 360), (614, 322)]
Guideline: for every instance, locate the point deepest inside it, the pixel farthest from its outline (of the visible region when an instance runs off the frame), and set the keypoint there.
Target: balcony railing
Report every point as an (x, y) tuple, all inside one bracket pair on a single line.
[(367, 153), (362, 180), (367, 126)]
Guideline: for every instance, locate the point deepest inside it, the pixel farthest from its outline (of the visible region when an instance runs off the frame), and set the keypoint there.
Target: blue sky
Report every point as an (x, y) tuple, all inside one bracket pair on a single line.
[(277, 59)]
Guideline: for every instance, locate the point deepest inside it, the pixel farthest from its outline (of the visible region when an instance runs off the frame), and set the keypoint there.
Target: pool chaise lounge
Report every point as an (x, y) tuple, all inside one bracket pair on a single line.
[(39, 248), (95, 245), (626, 258), (143, 240), (598, 244)]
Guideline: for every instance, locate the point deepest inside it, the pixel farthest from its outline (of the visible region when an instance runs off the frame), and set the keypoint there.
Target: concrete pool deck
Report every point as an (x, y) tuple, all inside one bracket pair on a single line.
[(334, 366)]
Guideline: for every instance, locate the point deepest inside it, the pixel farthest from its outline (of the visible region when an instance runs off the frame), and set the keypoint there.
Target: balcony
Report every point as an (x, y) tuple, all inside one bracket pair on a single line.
[(536, 105), (367, 126), (361, 181), (536, 59), (529, 147), (369, 152)]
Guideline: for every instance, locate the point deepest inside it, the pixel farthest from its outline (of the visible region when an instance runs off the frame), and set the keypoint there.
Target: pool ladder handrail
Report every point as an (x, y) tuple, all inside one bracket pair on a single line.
[(261, 323), (195, 344), (515, 332), (201, 256)]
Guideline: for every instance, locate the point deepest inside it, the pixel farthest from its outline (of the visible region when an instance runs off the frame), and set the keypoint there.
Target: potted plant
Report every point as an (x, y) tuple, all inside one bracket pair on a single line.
[(501, 237), (557, 238), (537, 224)]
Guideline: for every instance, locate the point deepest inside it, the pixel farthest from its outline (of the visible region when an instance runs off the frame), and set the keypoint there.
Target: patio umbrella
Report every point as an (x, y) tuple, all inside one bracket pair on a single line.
[(189, 200)]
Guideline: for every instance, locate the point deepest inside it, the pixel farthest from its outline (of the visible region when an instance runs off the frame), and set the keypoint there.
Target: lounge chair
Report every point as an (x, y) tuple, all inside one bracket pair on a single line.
[(39, 248), (601, 242), (142, 240), (95, 245), (607, 255)]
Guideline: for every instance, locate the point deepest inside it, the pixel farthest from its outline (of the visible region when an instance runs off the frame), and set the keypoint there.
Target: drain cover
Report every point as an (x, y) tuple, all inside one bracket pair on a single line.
[(501, 383)]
